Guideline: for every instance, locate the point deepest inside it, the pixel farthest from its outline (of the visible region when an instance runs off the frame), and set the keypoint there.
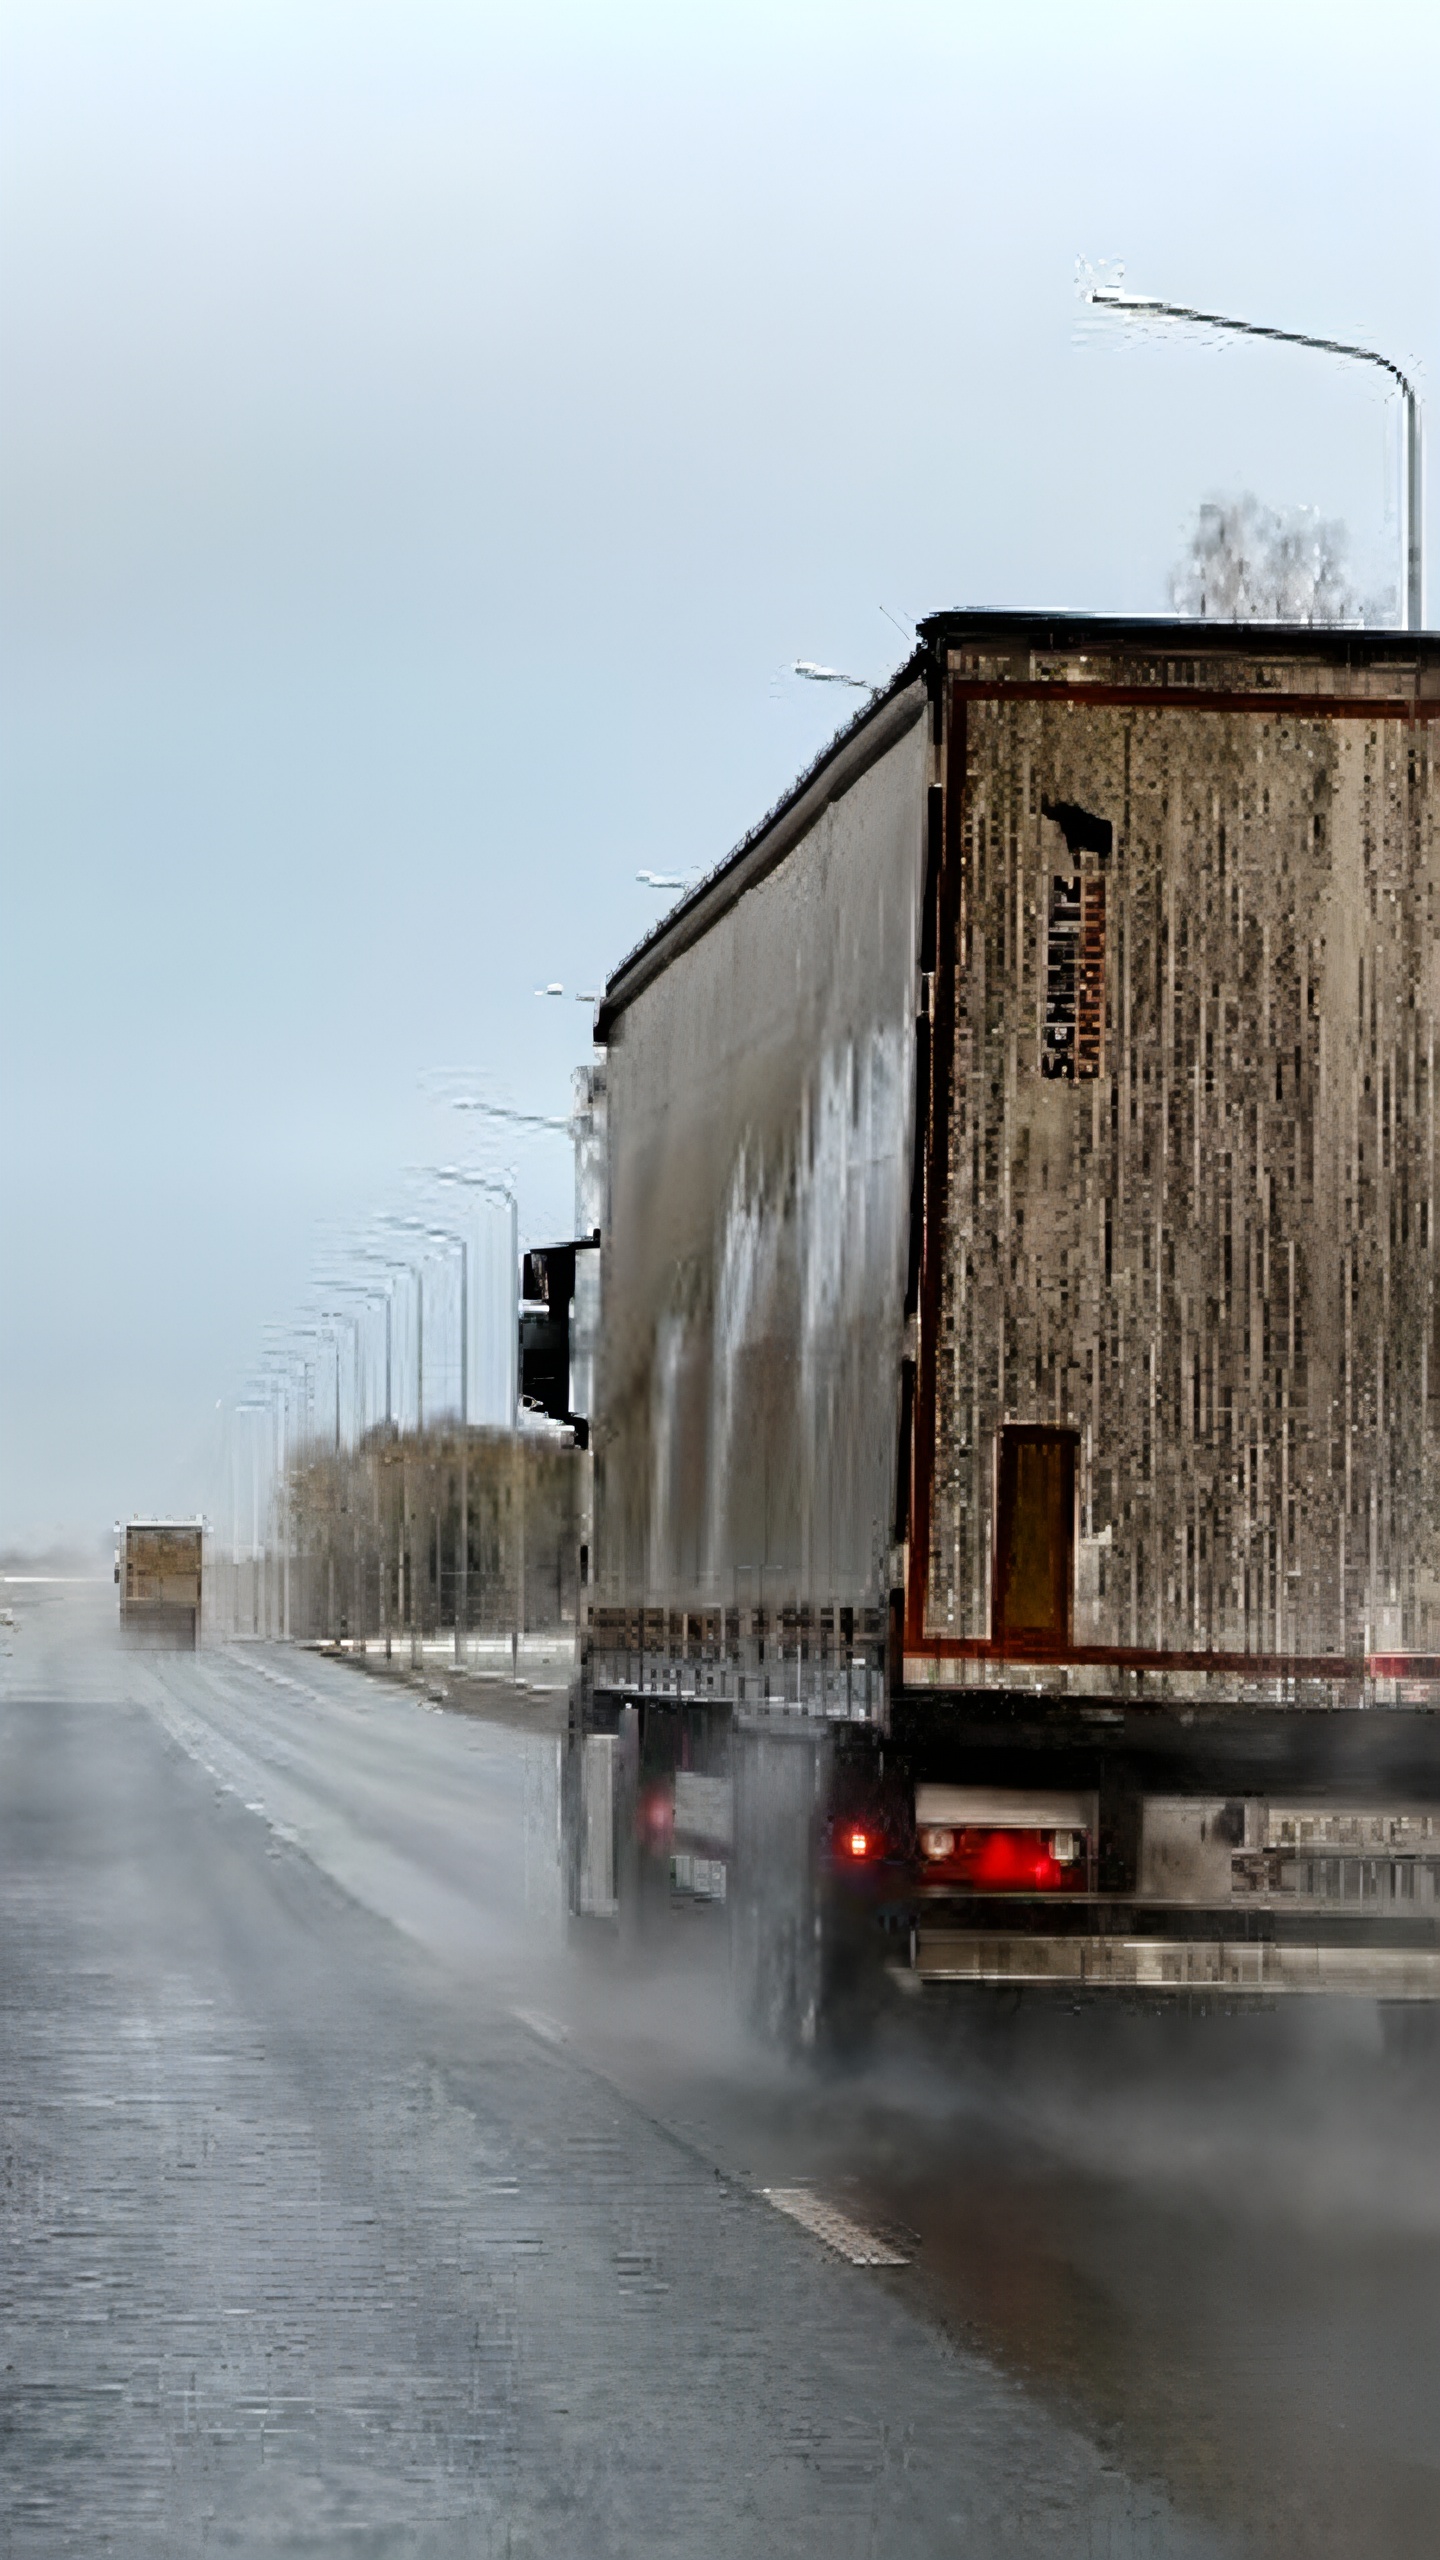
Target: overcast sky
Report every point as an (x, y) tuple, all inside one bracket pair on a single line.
[(429, 432)]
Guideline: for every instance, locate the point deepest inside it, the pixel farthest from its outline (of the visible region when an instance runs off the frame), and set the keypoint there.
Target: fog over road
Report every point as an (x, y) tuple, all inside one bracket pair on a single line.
[(347, 2209)]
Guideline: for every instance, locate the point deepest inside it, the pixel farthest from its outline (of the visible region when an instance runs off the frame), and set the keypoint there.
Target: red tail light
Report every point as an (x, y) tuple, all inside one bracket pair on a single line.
[(655, 1817), (1005, 1861), (855, 1842)]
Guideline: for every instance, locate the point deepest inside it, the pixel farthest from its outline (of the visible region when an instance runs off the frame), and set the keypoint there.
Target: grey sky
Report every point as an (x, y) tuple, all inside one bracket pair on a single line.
[(429, 432)]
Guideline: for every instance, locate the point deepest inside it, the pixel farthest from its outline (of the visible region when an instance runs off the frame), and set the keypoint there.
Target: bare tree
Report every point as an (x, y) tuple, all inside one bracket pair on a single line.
[(1249, 563)]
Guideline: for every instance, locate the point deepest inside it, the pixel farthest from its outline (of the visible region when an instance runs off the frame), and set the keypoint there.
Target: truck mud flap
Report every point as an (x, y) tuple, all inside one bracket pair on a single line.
[(773, 1903), (597, 1899)]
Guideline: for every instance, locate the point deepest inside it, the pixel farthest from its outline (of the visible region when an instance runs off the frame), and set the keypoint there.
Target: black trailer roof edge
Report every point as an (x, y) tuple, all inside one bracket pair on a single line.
[(1344, 644)]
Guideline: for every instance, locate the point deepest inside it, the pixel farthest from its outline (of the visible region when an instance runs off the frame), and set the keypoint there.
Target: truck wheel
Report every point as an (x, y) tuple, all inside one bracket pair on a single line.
[(848, 2011), (798, 1998), (769, 1986)]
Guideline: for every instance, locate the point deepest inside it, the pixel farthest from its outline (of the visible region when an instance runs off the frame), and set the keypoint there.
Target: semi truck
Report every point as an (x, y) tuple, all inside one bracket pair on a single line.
[(159, 1568), (1016, 1406)]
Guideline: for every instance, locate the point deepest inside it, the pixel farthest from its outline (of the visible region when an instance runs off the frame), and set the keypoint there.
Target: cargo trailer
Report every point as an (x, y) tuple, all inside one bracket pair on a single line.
[(159, 1568), (1016, 1430)]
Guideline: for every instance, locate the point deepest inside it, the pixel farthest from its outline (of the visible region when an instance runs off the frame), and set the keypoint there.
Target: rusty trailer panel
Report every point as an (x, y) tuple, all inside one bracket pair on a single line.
[(1196, 1228)]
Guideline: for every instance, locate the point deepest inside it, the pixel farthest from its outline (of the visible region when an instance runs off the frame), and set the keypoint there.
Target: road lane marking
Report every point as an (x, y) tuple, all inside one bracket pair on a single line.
[(825, 2222), (549, 2030)]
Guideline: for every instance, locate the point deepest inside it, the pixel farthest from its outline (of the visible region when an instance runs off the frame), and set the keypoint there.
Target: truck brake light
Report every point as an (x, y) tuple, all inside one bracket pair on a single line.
[(1005, 1859), (857, 1843)]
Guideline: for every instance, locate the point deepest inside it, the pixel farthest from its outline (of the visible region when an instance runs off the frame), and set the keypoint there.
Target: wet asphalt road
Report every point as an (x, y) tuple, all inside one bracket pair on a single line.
[(346, 2210)]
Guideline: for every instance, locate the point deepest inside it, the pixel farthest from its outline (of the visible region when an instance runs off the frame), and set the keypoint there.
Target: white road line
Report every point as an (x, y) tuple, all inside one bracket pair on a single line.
[(549, 2030), (825, 2222)]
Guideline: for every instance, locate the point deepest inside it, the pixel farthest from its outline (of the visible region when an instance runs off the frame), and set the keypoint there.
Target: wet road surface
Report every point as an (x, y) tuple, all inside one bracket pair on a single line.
[(347, 2210)]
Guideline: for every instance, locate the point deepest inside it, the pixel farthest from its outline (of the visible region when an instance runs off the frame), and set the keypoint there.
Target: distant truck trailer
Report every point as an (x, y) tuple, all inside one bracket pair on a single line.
[(1017, 1419), (159, 1569)]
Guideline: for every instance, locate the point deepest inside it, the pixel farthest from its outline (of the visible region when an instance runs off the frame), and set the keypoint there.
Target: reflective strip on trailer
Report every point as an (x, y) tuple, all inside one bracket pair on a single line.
[(1177, 1964)]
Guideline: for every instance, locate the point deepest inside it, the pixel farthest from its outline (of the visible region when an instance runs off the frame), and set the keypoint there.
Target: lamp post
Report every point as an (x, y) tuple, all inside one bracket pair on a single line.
[(502, 1190), (333, 1610), (369, 1293), (279, 1403), (1110, 297), (414, 1265), (313, 1334), (394, 1265), (254, 1403), (278, 1382), (496, 1189), (325, 1332), (506, 1191), (814, 674), (388, 1262), (281, 1351), (503, 1111), (433, 1235), (234, 1521), (305, 1435), (336, 1316), (447, 1235)]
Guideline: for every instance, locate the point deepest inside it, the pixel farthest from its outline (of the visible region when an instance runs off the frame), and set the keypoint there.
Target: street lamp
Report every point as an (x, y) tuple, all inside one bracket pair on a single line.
[(369, 1294), (415, 1266), (394, 1265), (282, 1362), (433, 1235), (301, 1334), (331, 1320), (814, 674), (330, 1331), (1112, 297), (505, 1191), (502, 1110), (325, 1330), (255, 1401), (278, 1381), (447, 1235), (308, 1364), (498, 1189), (337, 1316)]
